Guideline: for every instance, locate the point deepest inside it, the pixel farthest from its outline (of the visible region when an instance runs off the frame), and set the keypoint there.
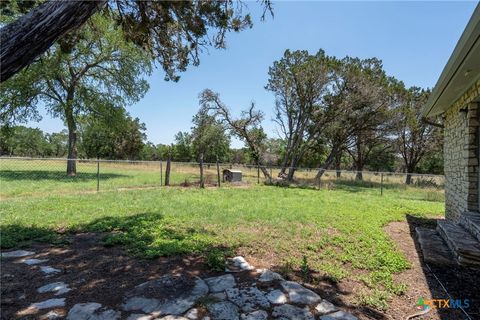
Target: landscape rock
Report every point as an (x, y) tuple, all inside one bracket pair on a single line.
[(298, 294), (92, 311), (167, 295), (255, 315), (218, 284), (31, 262), (57, 287), (223, 311), (276, 297), (339, 315), (52, 315), (325, 307), (238, 264), (139, 316), (248, 299), (50, 303), (16, 254), (49, 270), (141, 303), (218, 296), (171, 317), (192, 314), (268, 276), (289, 312)]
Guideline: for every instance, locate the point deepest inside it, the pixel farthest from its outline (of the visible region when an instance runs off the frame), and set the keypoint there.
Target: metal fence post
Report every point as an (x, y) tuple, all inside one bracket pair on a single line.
[(381, 184), (98, 175), (202, 183), (161, 174), (218, 173), (258, 173), (167, 170)]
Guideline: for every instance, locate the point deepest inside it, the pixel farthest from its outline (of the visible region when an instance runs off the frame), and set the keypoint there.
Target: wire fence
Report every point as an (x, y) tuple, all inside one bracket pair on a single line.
[(40, 176)]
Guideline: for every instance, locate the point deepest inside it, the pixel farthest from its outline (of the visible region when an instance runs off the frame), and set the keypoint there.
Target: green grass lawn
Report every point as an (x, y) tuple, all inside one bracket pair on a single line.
[(40, 177), (46, 176), (335, 232)]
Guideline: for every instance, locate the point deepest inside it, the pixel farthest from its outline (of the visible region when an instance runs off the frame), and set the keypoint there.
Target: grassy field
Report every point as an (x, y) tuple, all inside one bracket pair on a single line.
[(39, 177), (337, 232), (46, 176)]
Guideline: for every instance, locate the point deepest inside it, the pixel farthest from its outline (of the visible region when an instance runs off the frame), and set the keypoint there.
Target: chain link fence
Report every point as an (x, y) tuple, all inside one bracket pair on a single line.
[(42, 176)]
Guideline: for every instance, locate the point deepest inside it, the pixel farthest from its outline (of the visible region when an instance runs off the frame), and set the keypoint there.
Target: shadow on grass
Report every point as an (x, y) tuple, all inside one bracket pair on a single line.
[(180, 249), (146, 235), (340, 184), (459, 281), (59, 176)]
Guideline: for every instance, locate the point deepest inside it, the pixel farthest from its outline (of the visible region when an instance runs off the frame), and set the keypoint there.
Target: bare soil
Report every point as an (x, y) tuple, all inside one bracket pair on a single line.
[(426, 281), (100, 274)]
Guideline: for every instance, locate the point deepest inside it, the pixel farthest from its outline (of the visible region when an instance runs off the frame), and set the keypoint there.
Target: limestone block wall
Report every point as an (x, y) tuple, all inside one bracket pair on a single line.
[(461, 153)]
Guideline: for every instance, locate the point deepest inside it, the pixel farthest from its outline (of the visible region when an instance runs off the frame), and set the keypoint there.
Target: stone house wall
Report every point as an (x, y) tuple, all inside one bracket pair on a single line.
[(461, 154)]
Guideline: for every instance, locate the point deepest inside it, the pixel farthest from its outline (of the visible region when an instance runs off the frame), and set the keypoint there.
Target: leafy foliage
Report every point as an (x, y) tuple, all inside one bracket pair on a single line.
[(92, 71), (117, 137), (31, 142), (172, 33), (209, 138)]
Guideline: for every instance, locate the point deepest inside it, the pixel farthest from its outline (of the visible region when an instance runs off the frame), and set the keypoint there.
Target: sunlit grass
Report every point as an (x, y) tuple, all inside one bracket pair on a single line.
[(338, 232)]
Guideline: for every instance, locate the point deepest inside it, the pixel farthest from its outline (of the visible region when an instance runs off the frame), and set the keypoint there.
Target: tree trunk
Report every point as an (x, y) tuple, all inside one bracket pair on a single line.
[(256, 159), (72, 143), (291, 173), (292, 168), (338, 160), (359, 168), (408, 179), (33, 33), (326, 164), (265, 172)]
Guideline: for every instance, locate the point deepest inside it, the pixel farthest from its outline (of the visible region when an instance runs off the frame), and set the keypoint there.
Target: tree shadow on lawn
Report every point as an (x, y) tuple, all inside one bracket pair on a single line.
[(59, 176), (145, 235), (340, 184), (459, 281), (93, 257)]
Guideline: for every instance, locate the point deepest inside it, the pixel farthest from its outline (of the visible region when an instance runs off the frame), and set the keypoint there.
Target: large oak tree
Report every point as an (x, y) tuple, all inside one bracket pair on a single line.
[(299, 82), (92, 71), (414, 137), (172, 32), (247, 127)]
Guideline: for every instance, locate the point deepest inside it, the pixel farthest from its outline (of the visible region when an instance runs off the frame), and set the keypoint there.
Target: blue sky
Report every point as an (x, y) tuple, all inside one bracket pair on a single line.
[(414, 40)]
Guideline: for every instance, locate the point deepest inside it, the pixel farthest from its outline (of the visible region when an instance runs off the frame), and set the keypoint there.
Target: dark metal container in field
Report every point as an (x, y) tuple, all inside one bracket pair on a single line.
[(230, 175)]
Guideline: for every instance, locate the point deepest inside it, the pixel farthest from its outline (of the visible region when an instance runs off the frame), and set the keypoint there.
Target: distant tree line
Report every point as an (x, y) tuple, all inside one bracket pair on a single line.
[(338, 113), (331, 114), (85, 69), (89, 58)]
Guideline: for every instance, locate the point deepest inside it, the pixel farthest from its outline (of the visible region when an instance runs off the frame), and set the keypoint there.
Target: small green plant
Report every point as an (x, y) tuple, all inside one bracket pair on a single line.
[(377, 299), (216, 260), (286, 269), (305, 269), (207, 300)]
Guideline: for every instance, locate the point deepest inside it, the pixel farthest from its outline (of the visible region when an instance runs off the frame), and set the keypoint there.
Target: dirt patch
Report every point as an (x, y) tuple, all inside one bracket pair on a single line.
[(460, 282), (100, 274), (96, 273)]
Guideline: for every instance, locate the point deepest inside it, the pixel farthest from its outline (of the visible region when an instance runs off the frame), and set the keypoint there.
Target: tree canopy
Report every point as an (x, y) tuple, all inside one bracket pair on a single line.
[(99, 73), (171, 32)]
